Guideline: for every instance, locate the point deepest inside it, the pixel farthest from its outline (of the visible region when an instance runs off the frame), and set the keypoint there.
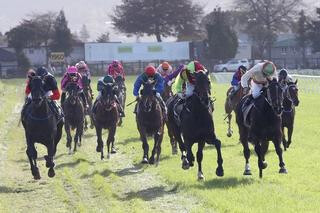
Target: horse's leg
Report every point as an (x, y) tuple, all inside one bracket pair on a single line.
[(49, 158), (290, 131), (264, 150), (69, 138), (145, 147), (229, 133), (85, 122), (159, 142), (99, 147), (32, 155), (199, 160), (219, 170), (284, 141), (277, 145), (246, 154), (173, 142), (110, 140), (257, 148)]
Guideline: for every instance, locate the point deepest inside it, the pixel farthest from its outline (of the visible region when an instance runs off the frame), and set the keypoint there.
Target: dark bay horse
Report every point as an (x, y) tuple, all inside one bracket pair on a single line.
[(231, 105), (41, 126), (150, 122), (166, 95), (264, 125), (74, 115), (88, 94), (290, 101), (196, 126), (106, 117), (120, 93)]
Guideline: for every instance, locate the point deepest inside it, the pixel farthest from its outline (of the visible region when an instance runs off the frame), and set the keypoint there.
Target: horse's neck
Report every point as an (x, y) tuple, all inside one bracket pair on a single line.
[(42, 110), (264, 109), (197, 108), (287, 104)]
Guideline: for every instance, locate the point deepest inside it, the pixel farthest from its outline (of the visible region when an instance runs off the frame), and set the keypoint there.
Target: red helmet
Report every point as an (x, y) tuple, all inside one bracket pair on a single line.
[(150, 70), (198, 66)]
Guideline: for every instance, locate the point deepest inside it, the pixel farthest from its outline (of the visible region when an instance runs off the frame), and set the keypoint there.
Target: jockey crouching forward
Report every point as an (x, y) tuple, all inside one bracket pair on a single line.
[(72, 76), (150, 73), (102, 82), (83, 69), (284, 78), (164, 69), (259, 75), (50, 87)]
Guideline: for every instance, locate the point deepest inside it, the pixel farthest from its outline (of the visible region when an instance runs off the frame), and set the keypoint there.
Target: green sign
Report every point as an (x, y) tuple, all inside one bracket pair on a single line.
[(155, 49), (125, 49)]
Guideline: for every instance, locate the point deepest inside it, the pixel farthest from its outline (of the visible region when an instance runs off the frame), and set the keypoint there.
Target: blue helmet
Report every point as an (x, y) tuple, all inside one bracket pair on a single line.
[(42, 71)]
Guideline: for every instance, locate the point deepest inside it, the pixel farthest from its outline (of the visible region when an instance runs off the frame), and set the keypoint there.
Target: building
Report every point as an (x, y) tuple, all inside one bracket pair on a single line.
[(8, 63)]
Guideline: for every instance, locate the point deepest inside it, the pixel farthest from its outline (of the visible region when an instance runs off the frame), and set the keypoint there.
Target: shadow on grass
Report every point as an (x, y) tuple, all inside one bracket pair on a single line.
[(25, 160), (224, 183), (129, 140), (7, 190), (135, 169), (74, 163), (104, 173), (149, 194), (88, 135)]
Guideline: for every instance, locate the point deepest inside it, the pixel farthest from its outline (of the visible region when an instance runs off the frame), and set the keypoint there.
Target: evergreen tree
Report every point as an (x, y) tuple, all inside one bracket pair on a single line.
[(84, 33)]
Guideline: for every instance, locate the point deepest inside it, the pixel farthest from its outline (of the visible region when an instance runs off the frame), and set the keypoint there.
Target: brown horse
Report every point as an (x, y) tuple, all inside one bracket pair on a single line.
[(231, 105), (106, 116), (167, 93), (121, 93), (89, 97), (150, 122)]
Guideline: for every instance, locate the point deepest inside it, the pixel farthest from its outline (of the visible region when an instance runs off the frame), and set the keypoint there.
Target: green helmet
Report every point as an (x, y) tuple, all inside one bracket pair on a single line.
[(108, 79), (268, 69)]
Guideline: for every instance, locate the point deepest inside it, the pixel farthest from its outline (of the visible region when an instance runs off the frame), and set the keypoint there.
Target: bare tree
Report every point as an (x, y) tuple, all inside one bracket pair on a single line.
[(84, 33), (266, 18)]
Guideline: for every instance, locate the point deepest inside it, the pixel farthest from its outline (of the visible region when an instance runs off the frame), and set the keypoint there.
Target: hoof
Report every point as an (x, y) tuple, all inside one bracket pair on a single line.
[(191, 163), (102, 157), (283, 170), (264, 165), (108, 156), (91, 126), (229, 134), (51, 173), (70, 151), (144, 161), (98, 149), (185, 164), (36, 174), (219, 172), (79, 144), (113, 150), (247, 172), (200, 176), (151, 160)]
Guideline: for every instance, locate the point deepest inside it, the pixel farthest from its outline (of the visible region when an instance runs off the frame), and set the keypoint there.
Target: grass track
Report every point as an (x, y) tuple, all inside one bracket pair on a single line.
[(85, 184)]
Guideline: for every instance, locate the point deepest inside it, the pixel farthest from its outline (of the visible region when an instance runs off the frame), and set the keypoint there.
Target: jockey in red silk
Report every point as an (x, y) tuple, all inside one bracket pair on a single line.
[(72, 76), (115, 69)]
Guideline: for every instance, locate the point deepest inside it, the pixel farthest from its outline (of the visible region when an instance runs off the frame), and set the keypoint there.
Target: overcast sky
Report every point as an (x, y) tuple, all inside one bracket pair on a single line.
[(93, 13)]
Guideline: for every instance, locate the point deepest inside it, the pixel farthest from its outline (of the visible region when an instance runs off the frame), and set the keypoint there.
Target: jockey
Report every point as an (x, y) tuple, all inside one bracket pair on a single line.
[(83, 69), (260, 74), (72, 76), (169, 79), (187, 76), (51, 89), (164, 69), (115, 69), (102, 82), (284, 78), (151, 73), (236, 80)]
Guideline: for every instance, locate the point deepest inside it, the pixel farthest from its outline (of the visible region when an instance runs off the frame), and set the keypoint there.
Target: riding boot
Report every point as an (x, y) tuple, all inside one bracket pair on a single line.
[(63, 98), (120, 109), (177, 110), (248, 101), (56, 109), (84, 101), (163, 107), (26, 103)]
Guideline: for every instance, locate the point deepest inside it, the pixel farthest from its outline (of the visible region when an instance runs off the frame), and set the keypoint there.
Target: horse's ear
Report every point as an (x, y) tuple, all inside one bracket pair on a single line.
[(296, 82)]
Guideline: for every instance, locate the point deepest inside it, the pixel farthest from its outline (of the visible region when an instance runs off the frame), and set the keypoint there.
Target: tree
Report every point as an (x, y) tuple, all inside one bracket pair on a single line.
[(3, 39), (222, 40), (301, 32), (62, 39), (161, 18), (314, 34), (103, 38), (266, 18), (84, 34)]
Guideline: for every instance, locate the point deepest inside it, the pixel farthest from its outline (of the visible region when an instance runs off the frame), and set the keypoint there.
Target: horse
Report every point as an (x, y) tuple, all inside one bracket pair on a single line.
[(74, 115), (262, 124), (230, 105), (87, 92), (166, 95), (106, 116), (290, 101), (196, 125), (150, 122), (41, 126), (120, 93)]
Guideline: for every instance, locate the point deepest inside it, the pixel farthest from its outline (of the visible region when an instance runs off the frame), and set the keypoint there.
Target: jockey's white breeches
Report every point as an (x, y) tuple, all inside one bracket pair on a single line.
[(256, 89)]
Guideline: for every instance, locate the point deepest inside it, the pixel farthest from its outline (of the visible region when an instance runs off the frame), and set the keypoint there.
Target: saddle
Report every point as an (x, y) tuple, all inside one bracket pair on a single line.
[(246, 109)]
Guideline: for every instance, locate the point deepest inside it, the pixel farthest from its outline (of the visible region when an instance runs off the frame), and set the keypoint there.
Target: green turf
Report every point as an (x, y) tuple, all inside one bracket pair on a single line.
[(85, 184)]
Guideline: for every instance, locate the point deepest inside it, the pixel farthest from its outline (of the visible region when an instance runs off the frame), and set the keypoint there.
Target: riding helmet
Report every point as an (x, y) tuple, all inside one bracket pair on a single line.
[(108, 79), (42, 71), (268, 68), (150, 71)]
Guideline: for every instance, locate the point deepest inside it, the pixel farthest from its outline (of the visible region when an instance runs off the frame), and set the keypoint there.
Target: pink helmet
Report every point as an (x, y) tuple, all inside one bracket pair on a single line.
[(81, 65), (72, 69)]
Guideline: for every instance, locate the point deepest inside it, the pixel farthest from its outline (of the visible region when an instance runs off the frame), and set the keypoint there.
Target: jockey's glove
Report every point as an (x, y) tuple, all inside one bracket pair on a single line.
[(170, 83), (158, 95)]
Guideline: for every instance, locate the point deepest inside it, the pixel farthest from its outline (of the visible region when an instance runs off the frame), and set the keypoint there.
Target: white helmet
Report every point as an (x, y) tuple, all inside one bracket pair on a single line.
[(81, 65)]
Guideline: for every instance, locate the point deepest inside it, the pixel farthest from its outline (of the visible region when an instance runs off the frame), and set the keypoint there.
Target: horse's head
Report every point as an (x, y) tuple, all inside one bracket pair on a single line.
[(148, 97), (37, 90), (274, 95), (202, 87), (292, 92), (107, 98), (73, 92)]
